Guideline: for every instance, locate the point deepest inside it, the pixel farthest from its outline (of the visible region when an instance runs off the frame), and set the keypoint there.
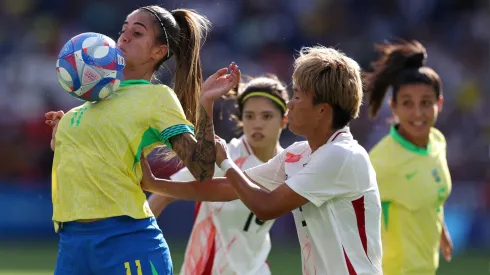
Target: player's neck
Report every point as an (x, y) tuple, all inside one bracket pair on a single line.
[(319, 138), (266, 153), (421, 142), (135, 73)]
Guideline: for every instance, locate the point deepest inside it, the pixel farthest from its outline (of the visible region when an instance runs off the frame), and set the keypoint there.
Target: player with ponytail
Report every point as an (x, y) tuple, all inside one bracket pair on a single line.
[(410, 162), (99, 209)]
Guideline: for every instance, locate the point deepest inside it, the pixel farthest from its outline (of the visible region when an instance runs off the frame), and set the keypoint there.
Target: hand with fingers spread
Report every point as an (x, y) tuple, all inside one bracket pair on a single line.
[(220, 83), (52, 119)]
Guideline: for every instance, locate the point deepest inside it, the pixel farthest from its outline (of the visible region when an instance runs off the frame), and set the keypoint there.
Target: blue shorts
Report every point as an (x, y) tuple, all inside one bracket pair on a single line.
[(119, 245)]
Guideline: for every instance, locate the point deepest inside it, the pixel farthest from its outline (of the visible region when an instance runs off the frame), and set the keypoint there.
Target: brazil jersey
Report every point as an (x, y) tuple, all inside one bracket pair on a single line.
[(96, 170), (413, 184)]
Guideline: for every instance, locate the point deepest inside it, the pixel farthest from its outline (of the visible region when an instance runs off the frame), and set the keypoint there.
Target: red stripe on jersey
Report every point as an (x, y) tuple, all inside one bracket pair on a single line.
[(196, 209), (350, 267), (240, 161), (361, 220), (338, 134), (208, 269), (246, 146)]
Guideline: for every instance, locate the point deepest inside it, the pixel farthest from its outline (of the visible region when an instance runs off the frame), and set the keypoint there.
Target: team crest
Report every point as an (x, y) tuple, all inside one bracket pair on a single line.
[(290, 157)]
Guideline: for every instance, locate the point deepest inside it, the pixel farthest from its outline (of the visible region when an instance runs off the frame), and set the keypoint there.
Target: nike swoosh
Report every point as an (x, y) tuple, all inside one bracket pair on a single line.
[(410, 175)]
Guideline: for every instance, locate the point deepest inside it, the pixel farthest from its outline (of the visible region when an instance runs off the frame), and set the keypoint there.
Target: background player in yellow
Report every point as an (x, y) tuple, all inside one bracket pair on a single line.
[(410, 162), (100, 212)]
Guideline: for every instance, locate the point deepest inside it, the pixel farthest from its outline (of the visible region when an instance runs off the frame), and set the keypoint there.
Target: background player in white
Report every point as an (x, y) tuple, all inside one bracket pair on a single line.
[(330, 184), (227, 238), (327, 181)]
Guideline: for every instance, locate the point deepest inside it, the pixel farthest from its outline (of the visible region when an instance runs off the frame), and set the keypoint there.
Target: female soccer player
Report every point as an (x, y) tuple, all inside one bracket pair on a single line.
[(100, 212), (410, 162), (236, 241), (327, 181)]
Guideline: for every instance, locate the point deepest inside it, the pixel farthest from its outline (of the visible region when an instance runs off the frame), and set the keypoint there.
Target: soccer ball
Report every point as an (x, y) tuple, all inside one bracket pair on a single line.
[(89, 67)]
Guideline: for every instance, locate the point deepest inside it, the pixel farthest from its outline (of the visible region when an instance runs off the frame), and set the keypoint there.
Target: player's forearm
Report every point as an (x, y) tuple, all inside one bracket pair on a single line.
[(205, 149), (217, 189), (159, 203), (257, 199), (199, 153)]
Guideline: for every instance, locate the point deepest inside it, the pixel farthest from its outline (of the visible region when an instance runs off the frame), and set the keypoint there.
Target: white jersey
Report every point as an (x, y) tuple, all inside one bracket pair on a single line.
[(227, 234), (339, 228)]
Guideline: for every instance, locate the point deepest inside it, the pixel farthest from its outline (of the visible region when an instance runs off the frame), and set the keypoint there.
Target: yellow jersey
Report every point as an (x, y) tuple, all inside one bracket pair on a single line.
[(96, 170), (413, 184)]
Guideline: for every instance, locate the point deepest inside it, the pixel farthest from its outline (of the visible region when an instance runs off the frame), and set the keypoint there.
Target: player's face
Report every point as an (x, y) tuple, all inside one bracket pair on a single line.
[(416, 108), (302, 117), (137, 40), (262, 122)]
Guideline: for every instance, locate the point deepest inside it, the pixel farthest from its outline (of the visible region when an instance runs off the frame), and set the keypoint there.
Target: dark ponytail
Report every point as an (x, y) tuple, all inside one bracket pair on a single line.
[(188, 74), (399, 64), (183, 31)]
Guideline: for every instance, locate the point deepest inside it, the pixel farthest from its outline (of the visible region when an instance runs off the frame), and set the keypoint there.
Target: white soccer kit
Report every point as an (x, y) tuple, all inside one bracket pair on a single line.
[(339, 228), (227, 233)]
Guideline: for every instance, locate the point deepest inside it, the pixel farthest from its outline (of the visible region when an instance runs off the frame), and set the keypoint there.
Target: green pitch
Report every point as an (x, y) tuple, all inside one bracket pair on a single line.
[(21, 258)]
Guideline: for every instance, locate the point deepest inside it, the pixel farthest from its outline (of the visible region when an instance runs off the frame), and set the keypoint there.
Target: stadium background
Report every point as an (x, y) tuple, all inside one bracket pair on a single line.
[(261, 36)]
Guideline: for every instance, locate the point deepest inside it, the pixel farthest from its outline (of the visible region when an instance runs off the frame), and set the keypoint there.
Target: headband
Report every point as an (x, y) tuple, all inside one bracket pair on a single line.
[(161, 24), (269, 96)]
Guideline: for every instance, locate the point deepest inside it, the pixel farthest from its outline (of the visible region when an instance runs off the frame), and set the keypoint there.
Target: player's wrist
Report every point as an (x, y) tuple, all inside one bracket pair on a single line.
[(227, 164)]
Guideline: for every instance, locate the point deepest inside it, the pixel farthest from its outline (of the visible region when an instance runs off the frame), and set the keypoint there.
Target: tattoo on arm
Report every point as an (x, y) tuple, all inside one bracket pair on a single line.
[(198, 155)]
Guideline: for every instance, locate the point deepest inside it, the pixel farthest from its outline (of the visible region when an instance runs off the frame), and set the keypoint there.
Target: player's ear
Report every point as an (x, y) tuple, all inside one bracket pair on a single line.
[(284, 122), (439, 103), (159, 52)]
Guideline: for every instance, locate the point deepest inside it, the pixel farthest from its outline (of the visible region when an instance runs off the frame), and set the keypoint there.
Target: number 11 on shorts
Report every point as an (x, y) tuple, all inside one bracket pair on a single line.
[(128, 267)]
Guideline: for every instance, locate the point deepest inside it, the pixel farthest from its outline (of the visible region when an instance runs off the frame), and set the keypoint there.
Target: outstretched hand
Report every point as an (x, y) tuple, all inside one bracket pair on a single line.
[(52, 118), (220, 83), (446, 245)]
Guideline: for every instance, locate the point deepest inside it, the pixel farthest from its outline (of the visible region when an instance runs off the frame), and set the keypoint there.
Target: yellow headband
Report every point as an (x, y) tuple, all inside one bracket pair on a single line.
[(269, 96)]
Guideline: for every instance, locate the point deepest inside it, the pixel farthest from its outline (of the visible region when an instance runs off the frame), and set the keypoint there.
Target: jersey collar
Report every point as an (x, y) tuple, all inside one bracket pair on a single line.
[(337, 133), (407, 144), (132, 82)]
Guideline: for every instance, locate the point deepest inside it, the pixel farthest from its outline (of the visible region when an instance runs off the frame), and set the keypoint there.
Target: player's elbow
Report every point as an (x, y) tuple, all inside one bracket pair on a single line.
[(265, 213)]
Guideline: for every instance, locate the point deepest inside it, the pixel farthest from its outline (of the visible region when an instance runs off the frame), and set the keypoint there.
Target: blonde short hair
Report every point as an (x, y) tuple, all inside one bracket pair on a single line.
[(331, 77)]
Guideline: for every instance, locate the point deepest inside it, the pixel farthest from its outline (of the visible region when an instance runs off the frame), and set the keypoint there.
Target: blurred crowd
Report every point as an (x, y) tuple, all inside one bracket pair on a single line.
[(261, 36)]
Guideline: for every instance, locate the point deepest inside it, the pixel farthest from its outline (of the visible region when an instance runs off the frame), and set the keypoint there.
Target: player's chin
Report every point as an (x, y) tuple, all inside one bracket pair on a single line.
[(419, 131), (294, 129)]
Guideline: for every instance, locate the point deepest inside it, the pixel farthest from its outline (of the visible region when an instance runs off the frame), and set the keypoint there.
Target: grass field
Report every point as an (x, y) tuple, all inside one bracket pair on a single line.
[(39, 259)]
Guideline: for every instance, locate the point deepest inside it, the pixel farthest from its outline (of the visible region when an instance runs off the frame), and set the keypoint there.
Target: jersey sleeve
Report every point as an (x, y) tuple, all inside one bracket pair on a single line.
[(321, 179), (168, 116), (270, 174)]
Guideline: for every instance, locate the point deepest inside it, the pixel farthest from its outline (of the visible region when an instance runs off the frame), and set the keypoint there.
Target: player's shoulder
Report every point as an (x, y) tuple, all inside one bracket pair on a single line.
[(77, 108), (298, 148), (161, 90), (437, 139), (383, 147)]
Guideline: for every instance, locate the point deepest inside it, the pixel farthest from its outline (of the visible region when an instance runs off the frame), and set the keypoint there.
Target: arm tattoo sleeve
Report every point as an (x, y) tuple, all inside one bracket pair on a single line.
[(199, 156)]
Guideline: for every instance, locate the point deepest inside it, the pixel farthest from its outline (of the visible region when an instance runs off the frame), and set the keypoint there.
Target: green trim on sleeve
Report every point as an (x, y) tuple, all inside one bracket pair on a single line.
[(174, 131), (407, 144), (150, 136)]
